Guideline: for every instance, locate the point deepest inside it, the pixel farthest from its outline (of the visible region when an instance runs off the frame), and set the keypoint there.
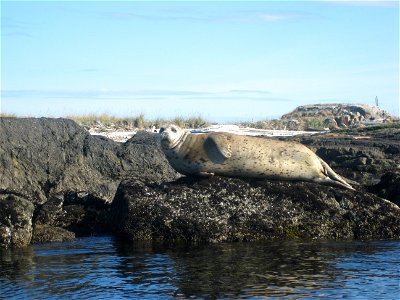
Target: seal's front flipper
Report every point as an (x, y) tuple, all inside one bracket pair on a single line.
[(218, 147)]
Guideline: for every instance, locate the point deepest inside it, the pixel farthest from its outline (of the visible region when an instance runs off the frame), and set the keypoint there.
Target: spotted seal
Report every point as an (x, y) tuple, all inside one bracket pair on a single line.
[(235, 155)]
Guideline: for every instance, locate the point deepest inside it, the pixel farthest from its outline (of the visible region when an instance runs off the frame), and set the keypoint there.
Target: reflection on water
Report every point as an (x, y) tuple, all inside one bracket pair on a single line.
[(102, 267)]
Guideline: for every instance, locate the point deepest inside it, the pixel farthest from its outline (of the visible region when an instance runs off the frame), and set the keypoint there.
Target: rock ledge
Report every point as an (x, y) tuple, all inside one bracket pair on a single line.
[(230, 209)]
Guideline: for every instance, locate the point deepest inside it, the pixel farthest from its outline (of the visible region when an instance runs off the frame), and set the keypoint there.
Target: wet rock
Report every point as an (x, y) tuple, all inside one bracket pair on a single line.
[(50, 234), (15, 221), (231, 209)]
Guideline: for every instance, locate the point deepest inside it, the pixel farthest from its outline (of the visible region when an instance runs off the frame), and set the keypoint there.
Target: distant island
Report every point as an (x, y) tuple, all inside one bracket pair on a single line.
[(313, 117), (306, 117)]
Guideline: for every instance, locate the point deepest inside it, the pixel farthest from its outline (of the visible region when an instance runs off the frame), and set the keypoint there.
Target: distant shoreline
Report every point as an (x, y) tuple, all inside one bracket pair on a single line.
[(313, 117)]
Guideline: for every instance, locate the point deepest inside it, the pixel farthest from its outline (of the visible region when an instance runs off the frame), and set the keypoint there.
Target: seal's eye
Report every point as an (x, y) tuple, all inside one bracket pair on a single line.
[(173, 129), (161, 130)]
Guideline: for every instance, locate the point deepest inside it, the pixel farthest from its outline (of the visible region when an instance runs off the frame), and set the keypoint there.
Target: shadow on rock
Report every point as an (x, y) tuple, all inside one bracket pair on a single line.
[(388, 187)]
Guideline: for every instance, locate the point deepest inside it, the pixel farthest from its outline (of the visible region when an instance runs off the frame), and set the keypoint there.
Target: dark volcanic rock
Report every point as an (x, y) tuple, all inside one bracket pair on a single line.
[(48, 161), (15, 221), (229, 209)]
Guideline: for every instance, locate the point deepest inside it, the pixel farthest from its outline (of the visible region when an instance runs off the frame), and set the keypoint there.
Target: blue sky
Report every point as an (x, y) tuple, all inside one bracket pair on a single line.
[(225, 61)]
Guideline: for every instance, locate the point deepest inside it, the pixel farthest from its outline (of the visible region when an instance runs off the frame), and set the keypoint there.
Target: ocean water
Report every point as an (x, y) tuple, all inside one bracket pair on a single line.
[(103, 268)]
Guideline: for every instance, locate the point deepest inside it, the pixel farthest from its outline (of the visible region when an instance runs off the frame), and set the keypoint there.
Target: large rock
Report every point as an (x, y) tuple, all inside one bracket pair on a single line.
[(228, 209), (15, 221), (362, 155), (69, 175), (39, 157)]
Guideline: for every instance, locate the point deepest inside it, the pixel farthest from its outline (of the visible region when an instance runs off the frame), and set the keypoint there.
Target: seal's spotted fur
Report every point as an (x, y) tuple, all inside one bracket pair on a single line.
[(245, 156)]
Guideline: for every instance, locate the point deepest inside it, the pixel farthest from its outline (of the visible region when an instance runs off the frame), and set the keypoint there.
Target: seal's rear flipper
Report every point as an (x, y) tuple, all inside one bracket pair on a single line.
[(331, 182), (333, 178)]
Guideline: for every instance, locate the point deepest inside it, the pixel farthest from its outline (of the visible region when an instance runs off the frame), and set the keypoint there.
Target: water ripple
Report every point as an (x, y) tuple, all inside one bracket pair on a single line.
[(95, 267)]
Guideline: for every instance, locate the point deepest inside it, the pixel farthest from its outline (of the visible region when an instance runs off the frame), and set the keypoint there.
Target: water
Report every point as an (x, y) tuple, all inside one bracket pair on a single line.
[(100, 267)]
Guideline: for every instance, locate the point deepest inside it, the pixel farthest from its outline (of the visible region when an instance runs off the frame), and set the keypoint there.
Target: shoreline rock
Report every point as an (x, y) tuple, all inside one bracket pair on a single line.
[(221, 209), (57, 181), (15, 221), (42, 159), (50, 234), (363, 155)]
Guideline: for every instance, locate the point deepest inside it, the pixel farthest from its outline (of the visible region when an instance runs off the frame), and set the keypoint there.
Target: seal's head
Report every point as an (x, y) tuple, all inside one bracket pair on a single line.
[(171, 135)]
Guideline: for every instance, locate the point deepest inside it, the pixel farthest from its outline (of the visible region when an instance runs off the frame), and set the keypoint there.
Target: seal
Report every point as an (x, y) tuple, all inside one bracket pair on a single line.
[(235, 155)]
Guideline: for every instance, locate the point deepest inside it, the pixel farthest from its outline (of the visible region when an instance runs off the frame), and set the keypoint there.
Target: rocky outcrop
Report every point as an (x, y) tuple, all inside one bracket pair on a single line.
[(228, 209), (41, 157), (340, 115), (362, 155), (57, 181), (15, 221), (48, 162)]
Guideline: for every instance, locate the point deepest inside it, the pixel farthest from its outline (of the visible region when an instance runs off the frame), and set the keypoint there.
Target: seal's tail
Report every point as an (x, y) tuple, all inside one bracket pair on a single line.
[(333, 178)]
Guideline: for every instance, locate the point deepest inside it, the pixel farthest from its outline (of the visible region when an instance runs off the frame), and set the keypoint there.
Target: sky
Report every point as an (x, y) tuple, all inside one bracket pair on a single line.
[(221, 60)]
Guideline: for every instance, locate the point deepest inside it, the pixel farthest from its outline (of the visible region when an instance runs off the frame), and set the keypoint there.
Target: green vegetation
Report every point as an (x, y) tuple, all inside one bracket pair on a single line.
[(314, 123)]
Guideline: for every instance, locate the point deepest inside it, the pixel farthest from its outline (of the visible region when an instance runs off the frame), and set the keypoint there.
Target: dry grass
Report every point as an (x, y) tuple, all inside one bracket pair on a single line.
[(137, 121), (6, 115)]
